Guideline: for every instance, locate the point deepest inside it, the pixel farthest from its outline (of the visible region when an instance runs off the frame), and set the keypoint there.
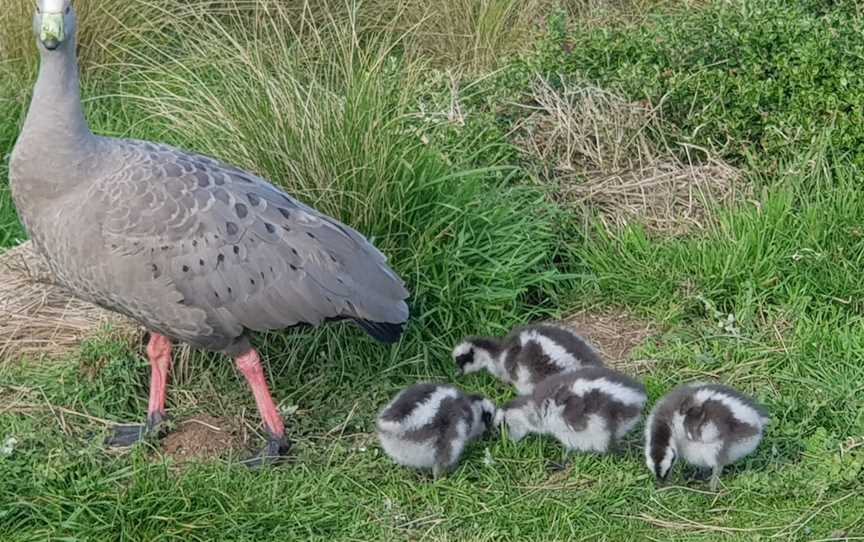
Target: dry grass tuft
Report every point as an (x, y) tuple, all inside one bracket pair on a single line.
[(615, 333), (110, 30), (601, 152), (465, 34), (472, 35), (611, 12), (38, 319)]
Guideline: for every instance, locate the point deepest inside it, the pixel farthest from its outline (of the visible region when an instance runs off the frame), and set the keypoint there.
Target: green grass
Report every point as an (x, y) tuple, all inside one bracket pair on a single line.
[(353, 118), (11, 108), (754, 78)]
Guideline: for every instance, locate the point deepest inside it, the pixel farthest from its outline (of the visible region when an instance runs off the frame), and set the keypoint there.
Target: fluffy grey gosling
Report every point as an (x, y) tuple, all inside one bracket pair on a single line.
[(426, 426), (708, 425), (587, 410), (527, 355)]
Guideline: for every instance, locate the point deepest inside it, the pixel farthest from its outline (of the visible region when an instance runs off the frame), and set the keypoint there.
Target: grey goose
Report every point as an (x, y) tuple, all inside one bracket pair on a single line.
[(194, 249)]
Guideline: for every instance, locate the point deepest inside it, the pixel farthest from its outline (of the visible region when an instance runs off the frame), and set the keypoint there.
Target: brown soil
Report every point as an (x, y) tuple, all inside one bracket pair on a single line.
[(615, 333), (202, 437)]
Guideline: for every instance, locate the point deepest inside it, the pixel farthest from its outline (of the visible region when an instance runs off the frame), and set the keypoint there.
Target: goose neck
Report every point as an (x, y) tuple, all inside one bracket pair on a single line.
[(56, 118)]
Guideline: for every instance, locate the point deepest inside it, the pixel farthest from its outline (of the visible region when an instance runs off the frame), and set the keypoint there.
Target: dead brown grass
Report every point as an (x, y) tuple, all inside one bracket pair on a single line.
[(615, 333), (610, 12), (460, 35), (470, 35), (601, 152), (38, 319)]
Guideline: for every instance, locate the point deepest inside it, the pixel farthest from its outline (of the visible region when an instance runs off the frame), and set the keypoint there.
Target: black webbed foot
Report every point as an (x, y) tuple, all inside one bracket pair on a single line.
[(273, 452), (126, 435)]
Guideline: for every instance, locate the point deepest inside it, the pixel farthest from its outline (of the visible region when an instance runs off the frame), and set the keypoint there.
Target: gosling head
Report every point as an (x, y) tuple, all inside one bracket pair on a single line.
[(484, 412), (520, 417), (474, 354), (660, 451), (54, 24)]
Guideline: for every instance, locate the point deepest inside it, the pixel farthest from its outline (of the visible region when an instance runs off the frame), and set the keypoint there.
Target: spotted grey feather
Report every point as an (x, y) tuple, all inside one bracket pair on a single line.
[(201, 251), (229, 241)]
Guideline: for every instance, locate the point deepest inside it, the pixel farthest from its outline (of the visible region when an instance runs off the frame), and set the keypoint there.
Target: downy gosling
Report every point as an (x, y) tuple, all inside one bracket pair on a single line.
[(427, 426), (527, 355), (587, 410), (707, 425)]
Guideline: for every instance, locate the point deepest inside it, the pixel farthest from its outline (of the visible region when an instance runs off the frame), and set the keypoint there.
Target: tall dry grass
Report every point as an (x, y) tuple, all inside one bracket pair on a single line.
[(472, 35), (605, 153), (460, 35)]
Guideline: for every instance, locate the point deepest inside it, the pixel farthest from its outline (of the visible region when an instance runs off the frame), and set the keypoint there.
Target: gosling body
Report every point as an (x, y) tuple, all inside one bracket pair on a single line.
[(587, 410), (707, 425), (427, 426), (527, 355)]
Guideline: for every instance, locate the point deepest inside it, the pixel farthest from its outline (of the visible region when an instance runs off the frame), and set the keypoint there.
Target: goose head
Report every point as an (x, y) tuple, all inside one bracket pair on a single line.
[(54, 24)]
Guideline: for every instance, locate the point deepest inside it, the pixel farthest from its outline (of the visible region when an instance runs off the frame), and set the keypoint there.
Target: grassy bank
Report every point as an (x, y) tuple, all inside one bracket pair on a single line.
[(411, 125)]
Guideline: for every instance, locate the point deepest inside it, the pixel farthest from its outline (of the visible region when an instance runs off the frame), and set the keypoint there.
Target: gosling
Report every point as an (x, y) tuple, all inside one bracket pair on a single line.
[(527, 355), (427, 426), (586, 410), (708, 425)]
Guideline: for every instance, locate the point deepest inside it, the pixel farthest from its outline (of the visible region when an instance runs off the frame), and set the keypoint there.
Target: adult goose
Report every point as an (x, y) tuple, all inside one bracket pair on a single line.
[(194, 249)]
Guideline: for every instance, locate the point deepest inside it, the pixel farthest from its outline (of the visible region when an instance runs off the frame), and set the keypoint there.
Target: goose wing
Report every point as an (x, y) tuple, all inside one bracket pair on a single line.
[(242, 249)]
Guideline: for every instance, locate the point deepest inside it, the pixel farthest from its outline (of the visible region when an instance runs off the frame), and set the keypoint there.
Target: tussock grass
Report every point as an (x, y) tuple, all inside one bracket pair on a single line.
[(473, 35), (610, 156)]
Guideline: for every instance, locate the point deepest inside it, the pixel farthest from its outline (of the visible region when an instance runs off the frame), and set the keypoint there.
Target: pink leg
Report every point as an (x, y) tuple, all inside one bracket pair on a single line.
[(250, 365), (159, 352)]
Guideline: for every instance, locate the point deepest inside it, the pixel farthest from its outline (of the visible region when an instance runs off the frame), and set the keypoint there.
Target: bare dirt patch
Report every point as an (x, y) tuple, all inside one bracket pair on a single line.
[(615, 333), (606, 154), (202, 437)]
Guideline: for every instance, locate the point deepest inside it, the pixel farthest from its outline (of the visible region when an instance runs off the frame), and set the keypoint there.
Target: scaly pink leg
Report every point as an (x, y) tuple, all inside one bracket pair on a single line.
[(159, 354), (250, 365)]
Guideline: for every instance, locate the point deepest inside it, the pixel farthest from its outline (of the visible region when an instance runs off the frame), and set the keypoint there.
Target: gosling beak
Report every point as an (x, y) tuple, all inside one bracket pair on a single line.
[(52, 34)]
